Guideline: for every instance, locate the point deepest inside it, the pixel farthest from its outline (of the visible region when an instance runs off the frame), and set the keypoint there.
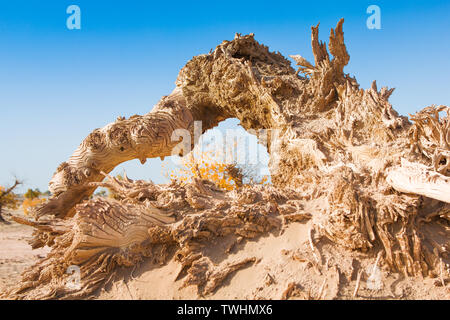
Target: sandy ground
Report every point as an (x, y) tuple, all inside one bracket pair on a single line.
[(283, 260), (15, 252)]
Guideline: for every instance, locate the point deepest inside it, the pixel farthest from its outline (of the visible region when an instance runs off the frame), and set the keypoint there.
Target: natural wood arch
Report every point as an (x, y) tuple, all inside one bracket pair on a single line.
[(385, 179)]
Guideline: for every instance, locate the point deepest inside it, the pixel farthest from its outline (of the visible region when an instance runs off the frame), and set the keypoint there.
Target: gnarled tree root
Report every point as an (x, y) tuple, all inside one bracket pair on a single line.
[(333, 141), (106, 234)]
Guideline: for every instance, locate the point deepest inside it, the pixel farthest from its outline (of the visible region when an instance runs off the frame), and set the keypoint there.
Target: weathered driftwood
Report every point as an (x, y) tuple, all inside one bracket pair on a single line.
[(417, 178), (333, 141)]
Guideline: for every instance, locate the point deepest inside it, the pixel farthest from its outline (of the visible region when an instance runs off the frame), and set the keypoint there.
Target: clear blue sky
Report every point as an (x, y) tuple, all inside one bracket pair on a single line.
[(57, 85)]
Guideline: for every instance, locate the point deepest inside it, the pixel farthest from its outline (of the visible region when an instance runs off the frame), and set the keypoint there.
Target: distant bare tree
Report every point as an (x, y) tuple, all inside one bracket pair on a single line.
[(8, 199)]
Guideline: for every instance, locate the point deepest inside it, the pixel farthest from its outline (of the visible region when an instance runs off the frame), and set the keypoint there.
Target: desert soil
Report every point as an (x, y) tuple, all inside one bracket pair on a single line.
[(15, 252), (284, 268)]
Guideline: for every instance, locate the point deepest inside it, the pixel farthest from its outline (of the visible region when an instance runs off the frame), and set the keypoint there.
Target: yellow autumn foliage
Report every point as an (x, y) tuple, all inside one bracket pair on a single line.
[(29, 203), (9, 200), (209, 166)]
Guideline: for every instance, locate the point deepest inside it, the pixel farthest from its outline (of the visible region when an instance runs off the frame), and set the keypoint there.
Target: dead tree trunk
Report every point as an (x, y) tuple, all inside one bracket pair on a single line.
[(1, 212), (4, 201), (333, 140)]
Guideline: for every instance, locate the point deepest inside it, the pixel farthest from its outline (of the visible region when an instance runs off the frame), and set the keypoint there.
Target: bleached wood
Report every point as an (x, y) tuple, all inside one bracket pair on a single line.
[(418, 179)]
